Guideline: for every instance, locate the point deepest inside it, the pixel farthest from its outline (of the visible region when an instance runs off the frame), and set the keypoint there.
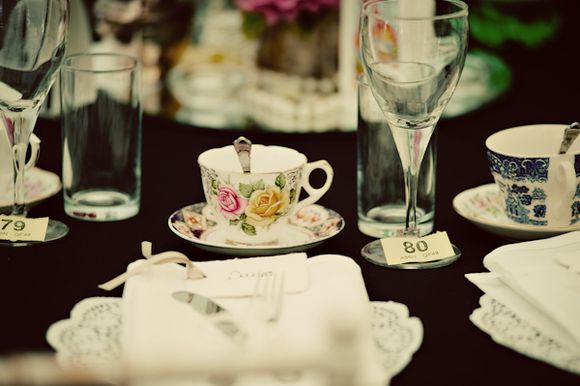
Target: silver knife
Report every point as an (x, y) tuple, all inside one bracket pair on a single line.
[(208, 307)]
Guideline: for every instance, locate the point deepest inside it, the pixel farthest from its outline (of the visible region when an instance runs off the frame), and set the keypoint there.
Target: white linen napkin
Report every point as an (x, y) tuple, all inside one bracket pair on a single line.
[(537, 281), (157, 328)]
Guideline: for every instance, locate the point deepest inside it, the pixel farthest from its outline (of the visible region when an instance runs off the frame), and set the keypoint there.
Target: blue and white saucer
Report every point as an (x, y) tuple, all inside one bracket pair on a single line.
[(483, 207), (306, 229)]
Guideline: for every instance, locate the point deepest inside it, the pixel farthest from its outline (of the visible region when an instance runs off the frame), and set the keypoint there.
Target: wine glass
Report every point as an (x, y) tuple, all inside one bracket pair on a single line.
[(32, 44), (413, 53)]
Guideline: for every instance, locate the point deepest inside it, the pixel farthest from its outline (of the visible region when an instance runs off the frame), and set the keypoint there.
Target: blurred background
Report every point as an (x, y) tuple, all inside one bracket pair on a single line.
[(290, 65)]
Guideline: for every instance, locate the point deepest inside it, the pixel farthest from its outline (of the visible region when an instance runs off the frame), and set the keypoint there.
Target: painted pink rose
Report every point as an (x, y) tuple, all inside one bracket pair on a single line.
[(231, 204)]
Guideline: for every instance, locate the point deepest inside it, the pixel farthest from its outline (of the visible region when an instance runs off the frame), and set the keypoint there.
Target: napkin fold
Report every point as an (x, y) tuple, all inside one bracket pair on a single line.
[(538, 282), (157, 328)]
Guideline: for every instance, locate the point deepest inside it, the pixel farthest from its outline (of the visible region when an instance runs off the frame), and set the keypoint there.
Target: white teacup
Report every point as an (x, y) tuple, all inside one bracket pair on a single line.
[(255, 206), (539, 186), (7, 164)]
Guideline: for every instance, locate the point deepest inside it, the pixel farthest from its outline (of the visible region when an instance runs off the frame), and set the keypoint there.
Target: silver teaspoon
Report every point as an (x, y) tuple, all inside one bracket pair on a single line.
[(570, 134), (243, 147)]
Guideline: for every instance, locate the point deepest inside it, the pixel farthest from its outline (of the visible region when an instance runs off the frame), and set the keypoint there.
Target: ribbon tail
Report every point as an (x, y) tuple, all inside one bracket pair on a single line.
[(192, 272)]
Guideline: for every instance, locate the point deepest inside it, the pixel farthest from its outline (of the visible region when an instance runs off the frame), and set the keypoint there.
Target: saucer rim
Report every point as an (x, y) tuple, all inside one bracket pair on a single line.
[(41, 174), (223, 248), (503, 224)]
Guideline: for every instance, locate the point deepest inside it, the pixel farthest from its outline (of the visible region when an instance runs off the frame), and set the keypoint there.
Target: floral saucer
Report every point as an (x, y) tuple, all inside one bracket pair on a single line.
[(482, 206), (305, 229), (39, 185)]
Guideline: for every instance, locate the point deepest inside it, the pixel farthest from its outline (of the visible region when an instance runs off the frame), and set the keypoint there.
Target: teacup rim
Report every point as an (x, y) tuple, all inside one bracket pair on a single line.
[(493, 136), (302, 156)]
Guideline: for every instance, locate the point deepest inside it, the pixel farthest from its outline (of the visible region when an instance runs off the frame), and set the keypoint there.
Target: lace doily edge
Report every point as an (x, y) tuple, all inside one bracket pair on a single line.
[(477, 318), (55, 330), (412, 322), (66, 357)]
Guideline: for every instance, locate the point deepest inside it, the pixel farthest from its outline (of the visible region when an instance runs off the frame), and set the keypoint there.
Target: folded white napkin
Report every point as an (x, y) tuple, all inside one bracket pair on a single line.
[(538, 282), (158, 328)]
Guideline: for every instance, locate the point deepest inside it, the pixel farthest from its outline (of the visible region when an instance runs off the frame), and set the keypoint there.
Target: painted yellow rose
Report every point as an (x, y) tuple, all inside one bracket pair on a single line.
[(265, 204)]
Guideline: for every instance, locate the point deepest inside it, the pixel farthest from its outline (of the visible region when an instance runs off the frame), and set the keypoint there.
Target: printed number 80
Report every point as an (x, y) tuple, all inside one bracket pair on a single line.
[(420, 246)]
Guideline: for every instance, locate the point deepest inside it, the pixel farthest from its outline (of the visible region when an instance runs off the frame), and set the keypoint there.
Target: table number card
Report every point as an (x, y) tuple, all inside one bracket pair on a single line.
[(15, 228), (400, 250)]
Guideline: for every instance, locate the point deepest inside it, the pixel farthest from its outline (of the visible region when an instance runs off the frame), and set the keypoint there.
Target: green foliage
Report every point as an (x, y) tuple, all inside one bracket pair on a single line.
[(494, 28), (246, 190), (253, 24), (292, 194), (248, 229), (280, 181)]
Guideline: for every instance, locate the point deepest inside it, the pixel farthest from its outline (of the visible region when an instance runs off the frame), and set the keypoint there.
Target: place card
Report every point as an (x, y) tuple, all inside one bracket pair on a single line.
[(400, 250), (237, 277), (14, 228)]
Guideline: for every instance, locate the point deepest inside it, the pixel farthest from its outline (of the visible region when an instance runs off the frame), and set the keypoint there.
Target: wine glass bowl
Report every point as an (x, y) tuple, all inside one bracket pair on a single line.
[(32, 45), (413, 53)]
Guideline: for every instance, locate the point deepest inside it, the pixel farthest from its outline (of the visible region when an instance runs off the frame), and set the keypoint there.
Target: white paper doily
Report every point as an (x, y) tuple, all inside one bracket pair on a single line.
[(506, 328), (90, 337)]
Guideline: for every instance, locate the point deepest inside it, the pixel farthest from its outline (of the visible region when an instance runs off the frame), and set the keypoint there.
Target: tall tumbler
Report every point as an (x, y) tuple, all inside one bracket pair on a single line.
[(380, 182), (101, 136)]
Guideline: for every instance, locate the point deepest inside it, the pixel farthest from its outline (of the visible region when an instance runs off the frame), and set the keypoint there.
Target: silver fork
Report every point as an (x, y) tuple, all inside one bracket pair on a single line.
[(268, 296), (267, 300)]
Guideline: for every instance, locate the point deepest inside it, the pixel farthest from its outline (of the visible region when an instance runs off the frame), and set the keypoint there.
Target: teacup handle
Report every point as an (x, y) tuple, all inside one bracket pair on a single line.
[(34, 144), (566, 178), (314, 194), (34, 151)]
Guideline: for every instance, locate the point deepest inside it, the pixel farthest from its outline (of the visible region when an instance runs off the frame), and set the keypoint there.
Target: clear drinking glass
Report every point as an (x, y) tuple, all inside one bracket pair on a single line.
[(381, 203), (413, 53), (32, 45), (101, 115)]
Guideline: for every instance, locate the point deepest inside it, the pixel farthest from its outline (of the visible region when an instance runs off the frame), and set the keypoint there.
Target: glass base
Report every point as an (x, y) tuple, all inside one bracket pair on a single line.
[(55, 230), (373, 252), (101, 205), (389, 221)]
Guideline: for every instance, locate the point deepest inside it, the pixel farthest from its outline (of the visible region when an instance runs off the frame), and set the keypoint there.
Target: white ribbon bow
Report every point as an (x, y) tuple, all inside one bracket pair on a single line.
[(192, 272)]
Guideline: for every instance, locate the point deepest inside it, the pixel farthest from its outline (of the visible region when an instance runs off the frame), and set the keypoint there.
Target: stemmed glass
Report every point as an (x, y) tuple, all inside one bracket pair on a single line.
[(413, 53), (32, 44)]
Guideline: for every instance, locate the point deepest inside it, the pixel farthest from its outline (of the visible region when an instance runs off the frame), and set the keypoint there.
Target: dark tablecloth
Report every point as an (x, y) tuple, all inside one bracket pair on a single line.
[(39, 285)]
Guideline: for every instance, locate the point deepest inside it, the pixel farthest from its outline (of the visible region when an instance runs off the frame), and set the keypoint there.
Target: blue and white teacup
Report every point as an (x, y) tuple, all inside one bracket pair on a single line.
[(253, 208), (538, 185)]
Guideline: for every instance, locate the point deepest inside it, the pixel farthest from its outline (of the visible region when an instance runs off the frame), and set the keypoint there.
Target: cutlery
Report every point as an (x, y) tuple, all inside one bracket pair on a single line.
[(221, 318), (268, 296), (243, 147), (570, 134)]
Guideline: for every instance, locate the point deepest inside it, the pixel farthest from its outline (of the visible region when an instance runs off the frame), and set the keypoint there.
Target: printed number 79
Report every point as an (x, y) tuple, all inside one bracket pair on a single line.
[(18, 224)]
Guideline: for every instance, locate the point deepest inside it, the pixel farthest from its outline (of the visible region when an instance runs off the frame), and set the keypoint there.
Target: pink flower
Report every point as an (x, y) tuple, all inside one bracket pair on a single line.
[(230, 203), (275, 10)]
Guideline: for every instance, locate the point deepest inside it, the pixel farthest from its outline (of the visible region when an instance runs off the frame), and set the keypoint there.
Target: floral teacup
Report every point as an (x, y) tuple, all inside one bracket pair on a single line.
[(255, 206), (538, 185)]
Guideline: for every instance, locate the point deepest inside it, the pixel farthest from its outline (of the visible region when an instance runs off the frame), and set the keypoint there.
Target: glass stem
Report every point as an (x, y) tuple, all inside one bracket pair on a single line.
[(411, 145), (19, 157), (19, 126), (411, 184)]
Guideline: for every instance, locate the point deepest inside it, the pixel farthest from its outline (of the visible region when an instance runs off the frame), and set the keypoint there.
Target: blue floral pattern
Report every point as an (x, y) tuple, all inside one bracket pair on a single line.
[(518, 179), (524, 206), (519, 169)]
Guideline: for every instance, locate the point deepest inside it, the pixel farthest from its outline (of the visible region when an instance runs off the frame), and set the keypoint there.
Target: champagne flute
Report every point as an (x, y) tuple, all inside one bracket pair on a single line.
[(413, 53), (32, 44)]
